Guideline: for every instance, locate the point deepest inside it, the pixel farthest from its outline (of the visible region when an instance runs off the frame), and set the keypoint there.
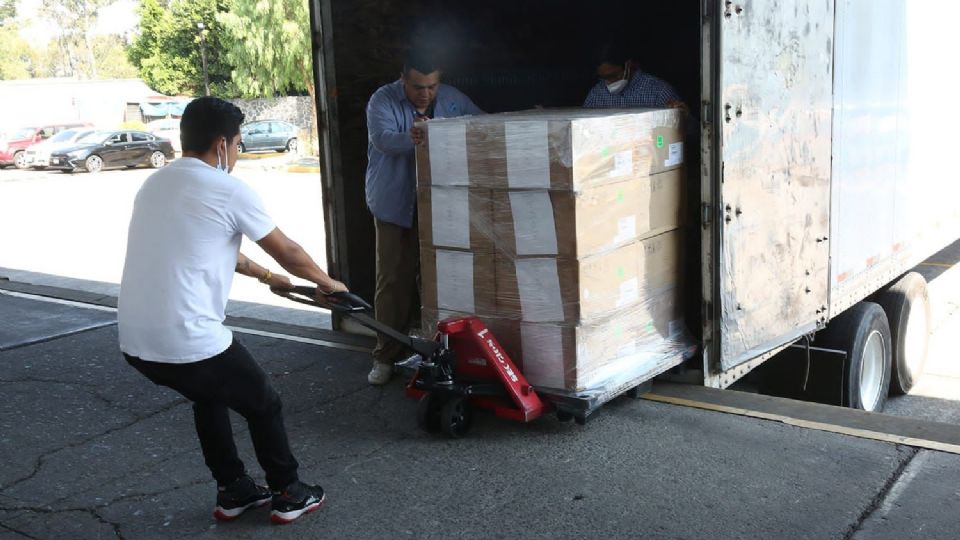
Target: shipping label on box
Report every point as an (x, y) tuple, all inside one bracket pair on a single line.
[(456, 217), (458, 281)]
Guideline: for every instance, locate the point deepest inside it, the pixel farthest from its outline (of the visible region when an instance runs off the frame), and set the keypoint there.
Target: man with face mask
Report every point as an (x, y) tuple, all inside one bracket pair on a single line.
[(623, 86), (182, 251), (393, 115)]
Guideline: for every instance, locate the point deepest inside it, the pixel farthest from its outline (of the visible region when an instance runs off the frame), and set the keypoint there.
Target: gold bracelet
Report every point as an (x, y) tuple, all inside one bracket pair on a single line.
[(266, 277)]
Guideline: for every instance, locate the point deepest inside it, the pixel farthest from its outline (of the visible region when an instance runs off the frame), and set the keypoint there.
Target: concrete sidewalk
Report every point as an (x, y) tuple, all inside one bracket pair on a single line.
[(93, 450)]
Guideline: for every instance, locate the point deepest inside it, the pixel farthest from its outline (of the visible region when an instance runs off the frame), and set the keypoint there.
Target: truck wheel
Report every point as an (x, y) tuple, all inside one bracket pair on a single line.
[(907, 305), (456, 416), (863, 332)]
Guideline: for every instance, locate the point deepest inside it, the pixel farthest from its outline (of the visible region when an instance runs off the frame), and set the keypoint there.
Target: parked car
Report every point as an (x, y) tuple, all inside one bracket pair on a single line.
[(268, 135), (12, 150), (168, 128), (38, 155), (109, 149)]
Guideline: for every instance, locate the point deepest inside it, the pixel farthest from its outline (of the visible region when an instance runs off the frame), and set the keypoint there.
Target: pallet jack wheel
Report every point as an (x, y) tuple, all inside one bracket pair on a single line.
[(428, 412), (455, 417), (636, 392), (564, 416)]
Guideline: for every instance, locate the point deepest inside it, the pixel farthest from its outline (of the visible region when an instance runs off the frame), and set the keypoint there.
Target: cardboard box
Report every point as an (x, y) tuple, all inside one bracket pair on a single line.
[(564, 149), (457, 281), (456, 217), (588, 222), (572, 291), (632, 344)]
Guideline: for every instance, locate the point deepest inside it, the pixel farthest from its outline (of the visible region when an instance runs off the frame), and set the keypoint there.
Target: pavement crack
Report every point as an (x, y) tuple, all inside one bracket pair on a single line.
[(17, 532), (38, 464), (877, 500), (53, 511)]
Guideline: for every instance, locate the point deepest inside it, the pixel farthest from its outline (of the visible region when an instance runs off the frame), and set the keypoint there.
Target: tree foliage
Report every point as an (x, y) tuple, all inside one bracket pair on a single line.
[(8, 11), (75, 21), (268, 43), (167, 50), (14, 54)]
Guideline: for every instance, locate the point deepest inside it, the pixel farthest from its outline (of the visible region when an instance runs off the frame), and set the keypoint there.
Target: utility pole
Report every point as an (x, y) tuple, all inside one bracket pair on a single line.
[(203, 56)]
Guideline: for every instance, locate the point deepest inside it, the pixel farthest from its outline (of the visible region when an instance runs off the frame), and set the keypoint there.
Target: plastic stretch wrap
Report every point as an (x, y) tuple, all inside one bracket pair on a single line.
[(562, 231)]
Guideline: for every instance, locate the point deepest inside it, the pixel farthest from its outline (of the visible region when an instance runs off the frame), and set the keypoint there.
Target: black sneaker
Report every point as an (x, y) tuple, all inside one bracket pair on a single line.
[(298, 499), (235, 498)]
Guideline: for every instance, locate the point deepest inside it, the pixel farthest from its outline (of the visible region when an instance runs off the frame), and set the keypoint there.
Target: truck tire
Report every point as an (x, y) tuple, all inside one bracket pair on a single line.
[(863, 332), (907, 305)]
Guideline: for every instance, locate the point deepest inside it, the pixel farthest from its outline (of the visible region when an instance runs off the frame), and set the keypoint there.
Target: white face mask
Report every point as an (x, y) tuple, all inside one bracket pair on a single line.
[(223, 166), (617, 87)]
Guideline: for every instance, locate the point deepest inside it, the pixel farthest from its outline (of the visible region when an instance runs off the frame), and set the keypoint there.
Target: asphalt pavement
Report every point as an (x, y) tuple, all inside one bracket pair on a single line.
[(93, 450)]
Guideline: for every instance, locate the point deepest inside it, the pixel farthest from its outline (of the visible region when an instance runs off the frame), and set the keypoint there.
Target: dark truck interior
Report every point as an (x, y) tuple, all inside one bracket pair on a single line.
[(507, 55)]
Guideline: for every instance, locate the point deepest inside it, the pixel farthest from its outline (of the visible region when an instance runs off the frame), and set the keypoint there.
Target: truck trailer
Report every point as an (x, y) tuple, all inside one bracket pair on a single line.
[(819, 157)]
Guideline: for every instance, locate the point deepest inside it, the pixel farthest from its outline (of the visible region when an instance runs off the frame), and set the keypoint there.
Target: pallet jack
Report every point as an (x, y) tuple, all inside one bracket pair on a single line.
[(462, 368)]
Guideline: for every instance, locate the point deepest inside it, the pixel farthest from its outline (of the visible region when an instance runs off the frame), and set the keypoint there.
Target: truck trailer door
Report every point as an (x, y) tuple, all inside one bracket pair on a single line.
[(775, 69)]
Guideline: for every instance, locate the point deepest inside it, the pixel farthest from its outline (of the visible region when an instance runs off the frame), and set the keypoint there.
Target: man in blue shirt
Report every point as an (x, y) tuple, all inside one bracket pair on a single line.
[(624, 86), (392, 117)]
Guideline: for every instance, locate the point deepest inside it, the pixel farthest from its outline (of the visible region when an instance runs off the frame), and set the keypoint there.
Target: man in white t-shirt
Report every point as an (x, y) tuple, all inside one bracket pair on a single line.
[(182, 252)]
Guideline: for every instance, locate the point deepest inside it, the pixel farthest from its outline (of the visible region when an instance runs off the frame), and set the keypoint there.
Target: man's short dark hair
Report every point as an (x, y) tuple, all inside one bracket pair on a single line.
[(613, 53), (205, 120), (421, 61)]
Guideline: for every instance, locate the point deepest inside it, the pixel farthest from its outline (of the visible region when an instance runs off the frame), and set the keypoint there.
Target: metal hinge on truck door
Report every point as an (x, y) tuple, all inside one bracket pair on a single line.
[(706, 215), (708, 7)]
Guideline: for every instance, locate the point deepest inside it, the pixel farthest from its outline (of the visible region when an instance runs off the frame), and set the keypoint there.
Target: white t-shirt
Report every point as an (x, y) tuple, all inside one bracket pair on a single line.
[(182, 250)]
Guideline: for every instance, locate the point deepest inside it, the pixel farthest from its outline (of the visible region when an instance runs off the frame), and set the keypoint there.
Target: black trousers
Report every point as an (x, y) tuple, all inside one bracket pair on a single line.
[(230, 380)]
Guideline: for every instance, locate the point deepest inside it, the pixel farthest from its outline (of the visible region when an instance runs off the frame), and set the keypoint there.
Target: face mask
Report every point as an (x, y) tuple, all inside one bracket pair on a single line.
[(617, 87), (222, 166)]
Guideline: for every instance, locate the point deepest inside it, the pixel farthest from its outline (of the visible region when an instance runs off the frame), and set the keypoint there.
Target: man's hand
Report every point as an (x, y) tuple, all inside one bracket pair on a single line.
[(417, 134), (333, 286), (675, 104), (279, 281)]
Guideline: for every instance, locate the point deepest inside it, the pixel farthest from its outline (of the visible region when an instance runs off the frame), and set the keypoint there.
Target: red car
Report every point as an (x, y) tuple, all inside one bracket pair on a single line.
[(12, 146)]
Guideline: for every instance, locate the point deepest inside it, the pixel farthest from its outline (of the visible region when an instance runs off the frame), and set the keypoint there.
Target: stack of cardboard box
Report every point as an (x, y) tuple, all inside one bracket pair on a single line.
[(560, 230)]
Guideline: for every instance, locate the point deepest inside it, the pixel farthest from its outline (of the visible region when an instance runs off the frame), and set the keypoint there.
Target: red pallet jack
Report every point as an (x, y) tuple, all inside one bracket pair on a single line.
[(463, 368)]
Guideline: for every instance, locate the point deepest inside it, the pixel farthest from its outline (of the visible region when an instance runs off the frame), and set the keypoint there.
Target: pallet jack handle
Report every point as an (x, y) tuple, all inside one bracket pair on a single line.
[(353, 306)]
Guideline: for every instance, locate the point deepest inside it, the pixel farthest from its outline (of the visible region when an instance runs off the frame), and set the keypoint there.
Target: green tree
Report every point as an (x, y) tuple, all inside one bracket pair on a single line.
[(75, 21), (8, 11), (268, 43), (110, 53), (167, 50), (14, 54)]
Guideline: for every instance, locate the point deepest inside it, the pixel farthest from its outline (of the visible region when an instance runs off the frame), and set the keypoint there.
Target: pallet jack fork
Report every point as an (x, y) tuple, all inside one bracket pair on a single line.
[(463, 368)]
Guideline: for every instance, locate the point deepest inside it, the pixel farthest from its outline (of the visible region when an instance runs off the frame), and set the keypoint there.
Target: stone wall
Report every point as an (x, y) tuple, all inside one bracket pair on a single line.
[(293, 109)]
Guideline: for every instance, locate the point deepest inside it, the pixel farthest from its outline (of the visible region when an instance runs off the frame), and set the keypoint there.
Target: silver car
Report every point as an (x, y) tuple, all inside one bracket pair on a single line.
[(268, 135), (38, 155)]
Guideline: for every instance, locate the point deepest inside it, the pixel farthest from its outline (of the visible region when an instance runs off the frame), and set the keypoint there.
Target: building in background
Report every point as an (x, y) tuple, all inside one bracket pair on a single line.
[(103, 103)]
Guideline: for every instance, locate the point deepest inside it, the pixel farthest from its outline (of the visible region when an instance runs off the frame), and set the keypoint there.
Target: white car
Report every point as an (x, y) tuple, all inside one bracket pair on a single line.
[(168, 128), (38, 155)]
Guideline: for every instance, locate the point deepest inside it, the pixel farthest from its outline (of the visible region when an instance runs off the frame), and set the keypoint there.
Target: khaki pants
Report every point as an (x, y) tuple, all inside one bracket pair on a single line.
[(397, 300)]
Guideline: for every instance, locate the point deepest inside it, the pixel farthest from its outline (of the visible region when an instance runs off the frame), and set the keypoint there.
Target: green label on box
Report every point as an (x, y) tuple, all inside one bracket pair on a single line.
[(621, 272), (620, 196), (605, 151), (618, 330), (659, 141)]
